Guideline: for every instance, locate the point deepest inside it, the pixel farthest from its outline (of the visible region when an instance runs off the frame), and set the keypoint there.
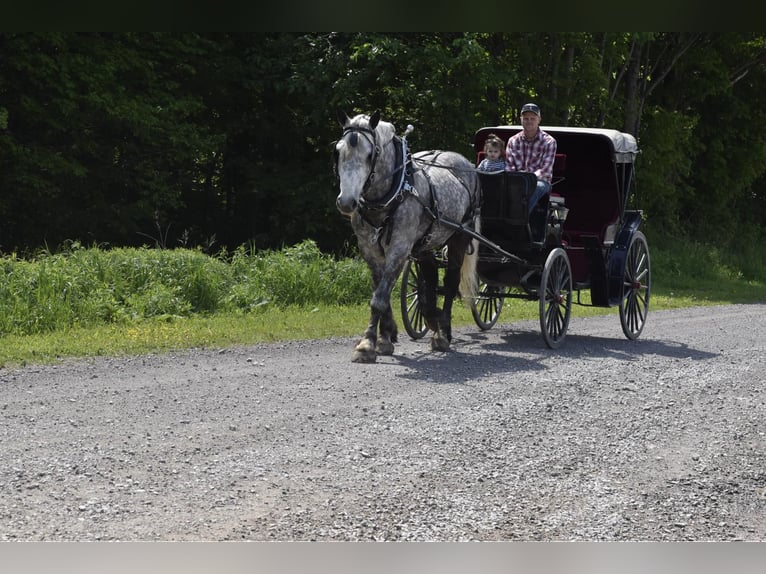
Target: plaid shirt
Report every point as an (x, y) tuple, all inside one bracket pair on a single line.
[(535, 156)]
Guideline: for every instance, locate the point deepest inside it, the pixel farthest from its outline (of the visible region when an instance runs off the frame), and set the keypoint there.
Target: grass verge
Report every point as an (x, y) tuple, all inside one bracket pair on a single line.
[(89, 302), (271, 325)]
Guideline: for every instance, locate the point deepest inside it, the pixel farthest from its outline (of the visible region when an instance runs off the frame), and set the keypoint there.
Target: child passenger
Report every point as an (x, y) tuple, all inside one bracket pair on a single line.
[(493, 151)]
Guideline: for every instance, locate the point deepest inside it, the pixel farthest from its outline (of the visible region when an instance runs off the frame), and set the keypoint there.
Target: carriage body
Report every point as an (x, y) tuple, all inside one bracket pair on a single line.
[(587, 214)]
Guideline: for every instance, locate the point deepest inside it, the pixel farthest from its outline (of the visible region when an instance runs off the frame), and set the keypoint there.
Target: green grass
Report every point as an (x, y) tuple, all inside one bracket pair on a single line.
[(175, 332), (83, 302)]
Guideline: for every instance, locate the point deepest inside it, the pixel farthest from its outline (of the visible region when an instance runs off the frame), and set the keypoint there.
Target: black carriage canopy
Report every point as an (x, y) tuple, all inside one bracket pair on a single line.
[(592, 177), (592, 174), (594, 166), (621, 146)]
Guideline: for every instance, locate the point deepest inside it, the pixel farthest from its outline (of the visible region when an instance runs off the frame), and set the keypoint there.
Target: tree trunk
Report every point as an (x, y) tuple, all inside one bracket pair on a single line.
[(632, 78)]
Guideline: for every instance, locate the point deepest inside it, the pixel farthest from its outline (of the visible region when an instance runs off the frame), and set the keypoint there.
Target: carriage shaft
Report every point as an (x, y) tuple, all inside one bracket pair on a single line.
[(483, 240)]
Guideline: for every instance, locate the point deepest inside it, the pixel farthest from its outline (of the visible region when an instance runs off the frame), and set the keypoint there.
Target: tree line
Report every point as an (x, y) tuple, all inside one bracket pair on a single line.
[(224, 139)]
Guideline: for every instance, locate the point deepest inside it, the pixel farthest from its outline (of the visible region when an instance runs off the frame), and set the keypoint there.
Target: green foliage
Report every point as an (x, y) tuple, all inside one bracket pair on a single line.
[(687, 264), (82, 302), (91, 286), (728, 172), (298, 275), (107, 137), (662, 170)]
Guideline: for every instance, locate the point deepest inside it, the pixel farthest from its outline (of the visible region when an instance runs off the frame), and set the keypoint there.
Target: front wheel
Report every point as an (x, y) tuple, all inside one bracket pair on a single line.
[(487, 305), (412, 317), (555, 296), (636, 286)]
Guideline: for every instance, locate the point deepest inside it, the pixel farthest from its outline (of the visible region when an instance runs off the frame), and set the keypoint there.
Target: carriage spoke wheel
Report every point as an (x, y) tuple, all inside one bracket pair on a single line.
[(414, 322), (487, 305), (636, 285), (555, 298)]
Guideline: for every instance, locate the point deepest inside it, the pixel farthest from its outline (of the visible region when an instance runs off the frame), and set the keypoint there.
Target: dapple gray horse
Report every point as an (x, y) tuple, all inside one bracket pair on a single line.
[(401, 205)]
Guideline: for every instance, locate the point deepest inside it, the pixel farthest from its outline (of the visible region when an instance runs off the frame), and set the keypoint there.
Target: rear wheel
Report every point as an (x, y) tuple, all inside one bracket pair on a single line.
[(636, 286), (487, 305), (555, 296), (414, 322)]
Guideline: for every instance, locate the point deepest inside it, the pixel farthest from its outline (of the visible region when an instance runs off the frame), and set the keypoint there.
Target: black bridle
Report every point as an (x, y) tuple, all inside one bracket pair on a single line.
[(400, 186), (353, 139)]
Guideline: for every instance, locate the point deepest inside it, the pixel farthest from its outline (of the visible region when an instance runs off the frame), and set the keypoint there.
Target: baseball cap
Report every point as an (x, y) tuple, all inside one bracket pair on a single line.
[(530, 108)]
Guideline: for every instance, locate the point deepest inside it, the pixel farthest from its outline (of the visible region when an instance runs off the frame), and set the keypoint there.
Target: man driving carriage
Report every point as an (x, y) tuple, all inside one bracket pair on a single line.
[(532, 150)]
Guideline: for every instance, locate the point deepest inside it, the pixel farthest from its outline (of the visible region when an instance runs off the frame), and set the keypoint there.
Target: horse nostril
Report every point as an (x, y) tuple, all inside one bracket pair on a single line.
[(345, 206)]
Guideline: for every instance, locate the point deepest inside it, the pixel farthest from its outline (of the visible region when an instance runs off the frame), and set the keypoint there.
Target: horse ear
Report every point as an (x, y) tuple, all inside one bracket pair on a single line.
[(374, 119), (343, 118)]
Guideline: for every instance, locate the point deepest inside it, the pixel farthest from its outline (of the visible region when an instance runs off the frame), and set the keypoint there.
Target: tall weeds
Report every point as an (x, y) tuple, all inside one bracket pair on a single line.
[(89, 286), (80, 286)]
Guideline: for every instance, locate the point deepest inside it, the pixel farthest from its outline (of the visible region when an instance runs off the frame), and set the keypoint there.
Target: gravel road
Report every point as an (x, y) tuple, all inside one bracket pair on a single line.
[(659, 439)]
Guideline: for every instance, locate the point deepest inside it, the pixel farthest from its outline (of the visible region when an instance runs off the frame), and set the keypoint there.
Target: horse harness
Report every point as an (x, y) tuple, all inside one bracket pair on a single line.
[(401, 187)]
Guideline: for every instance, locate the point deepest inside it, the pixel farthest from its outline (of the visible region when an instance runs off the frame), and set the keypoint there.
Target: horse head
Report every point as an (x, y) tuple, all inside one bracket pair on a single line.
[(356, 156)]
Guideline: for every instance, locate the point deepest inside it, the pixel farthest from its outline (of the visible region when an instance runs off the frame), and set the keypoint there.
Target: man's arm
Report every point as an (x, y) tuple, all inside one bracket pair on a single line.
[(545, 172)]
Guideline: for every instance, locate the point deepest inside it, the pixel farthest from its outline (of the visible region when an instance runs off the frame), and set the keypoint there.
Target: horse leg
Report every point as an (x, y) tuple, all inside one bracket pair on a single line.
[(388, 333), (427, 299), (381, 316), (364, 352), (442, 335), (428, 280), (397, 255)]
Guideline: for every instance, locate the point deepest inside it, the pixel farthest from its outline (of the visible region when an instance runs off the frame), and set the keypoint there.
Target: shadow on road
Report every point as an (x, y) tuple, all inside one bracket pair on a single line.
[(479, 354)]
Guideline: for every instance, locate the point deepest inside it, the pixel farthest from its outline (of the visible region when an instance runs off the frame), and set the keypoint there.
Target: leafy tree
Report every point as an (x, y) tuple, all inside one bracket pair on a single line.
[(221, 139), (100, 137)]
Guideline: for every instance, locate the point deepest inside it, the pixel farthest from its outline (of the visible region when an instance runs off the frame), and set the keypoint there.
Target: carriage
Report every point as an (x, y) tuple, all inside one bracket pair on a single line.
[(583, 239), (434, 221)]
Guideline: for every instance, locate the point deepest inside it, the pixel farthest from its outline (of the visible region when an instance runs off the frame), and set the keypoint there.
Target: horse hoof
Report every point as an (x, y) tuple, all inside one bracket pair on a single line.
[(364, 352), (439, 344), (363, 357), (384, 348)]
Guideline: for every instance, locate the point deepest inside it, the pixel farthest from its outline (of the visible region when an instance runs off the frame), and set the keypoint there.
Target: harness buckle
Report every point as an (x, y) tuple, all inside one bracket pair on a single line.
[(411, 190)]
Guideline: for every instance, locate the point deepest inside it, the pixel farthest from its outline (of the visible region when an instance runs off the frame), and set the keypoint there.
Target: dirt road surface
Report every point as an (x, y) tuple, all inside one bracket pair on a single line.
[(501, 439)]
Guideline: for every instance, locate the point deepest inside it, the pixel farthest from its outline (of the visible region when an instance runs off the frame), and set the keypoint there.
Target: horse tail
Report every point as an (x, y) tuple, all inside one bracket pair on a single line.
[(469, 280)]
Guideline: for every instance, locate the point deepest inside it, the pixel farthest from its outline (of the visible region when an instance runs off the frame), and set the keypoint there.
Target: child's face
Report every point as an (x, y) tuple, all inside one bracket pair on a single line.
[(493, 152)]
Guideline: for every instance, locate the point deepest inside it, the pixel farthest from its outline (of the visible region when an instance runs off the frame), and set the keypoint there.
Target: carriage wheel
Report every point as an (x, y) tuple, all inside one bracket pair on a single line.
[(555, 298), (486, 307), (636, 285), (414, 322)]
